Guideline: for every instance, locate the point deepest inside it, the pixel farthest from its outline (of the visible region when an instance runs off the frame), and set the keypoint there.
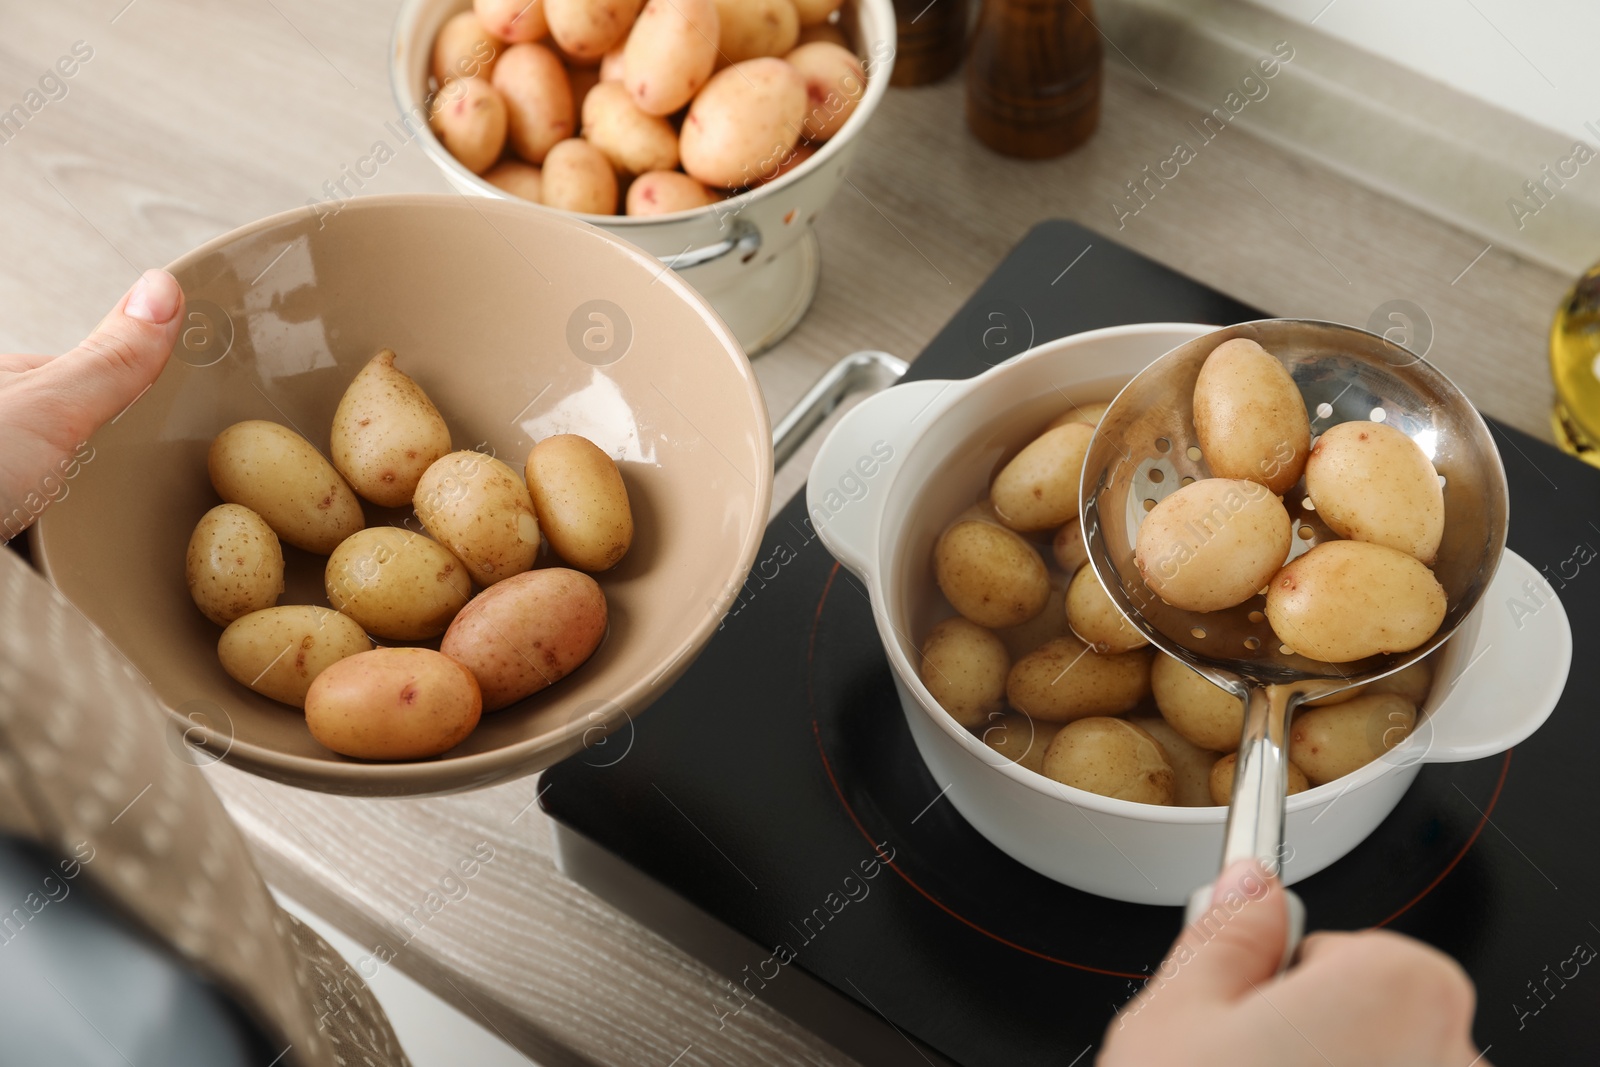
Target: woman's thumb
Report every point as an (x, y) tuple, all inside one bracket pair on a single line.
[(1237, 942)]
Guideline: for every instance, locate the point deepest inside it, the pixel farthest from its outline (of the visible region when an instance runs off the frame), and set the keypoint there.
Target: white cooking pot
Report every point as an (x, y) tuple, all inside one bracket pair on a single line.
[(754, 256), (900, 465)]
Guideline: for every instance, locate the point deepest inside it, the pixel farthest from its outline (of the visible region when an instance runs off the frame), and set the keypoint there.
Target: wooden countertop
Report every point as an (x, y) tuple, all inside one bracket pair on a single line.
[(195, 116)]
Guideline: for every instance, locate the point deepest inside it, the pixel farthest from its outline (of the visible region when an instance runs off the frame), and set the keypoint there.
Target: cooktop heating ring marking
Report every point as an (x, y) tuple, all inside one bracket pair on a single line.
[(827, 766)]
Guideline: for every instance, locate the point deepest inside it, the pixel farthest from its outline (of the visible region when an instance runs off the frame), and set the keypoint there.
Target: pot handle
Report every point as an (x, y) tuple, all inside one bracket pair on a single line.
[(744, 239), (850, 477), (1525, 644)]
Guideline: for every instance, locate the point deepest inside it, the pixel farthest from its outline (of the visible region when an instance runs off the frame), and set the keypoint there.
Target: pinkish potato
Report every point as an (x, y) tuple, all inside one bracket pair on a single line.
[(463, 49), (611, 65), (393, 704), (517, 178), (755, 28), (527, 632), (588, 29), (578, 177), (661, 192), (744, 123), (538, 97), (512, 21), (835, 84), (670, 53), (469, 119), (634, 141)]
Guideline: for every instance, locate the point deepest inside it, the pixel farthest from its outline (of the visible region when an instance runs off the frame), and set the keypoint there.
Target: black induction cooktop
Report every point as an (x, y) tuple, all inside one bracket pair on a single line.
[(770, 813)]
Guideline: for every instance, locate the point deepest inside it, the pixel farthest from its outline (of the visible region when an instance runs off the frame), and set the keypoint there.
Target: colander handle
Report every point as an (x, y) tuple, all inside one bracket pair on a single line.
[(744, 240), (851, 475)]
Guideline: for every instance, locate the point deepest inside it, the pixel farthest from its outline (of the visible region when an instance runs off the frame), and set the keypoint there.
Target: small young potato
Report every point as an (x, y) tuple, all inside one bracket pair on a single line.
[(393, 704), (479, 509), (611, 66), (1066, 680), (990, 575), (1206, 714), (744, 123), (1250, 418), (1213, 544), (1347, 600), (578, 177), (1370, 482), (1191, 764), (527, 632), (234, 564), (1088, 414), (1019, 739), (517, 178), (634, 141), (823, 31), (397, 584), (1219, 783), (835, 83), (512, 21), (386, 432), (463, 49), (1413, 682), (1111, 757), (662, 192), (1095, 619), (964, 666), (280, 651), (469, 119), (755, 28), (276, 473), (538, 98), (670, 53), (816, 12), (1329, 743), (1068, 548), (581, 501), (1049, 624), (1038, 489), (587, 29)]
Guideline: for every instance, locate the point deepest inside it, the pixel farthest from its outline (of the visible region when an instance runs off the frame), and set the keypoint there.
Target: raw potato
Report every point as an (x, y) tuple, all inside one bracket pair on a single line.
[(517, 178), (1111, 757), (512, 21), (634, 141), (1068, 548), (588, 29), (1088, 414), (1064, 680), (234, 564), (964, 666), (1413, 682), (578, 177), (670, 53), (393, 704), (280, 651), (581, 501), (1250, 418), (611, 67), (1038, 489), (744, 123), (755, 28), (538, 99), (469, 119), (1329, 743), (1347, 600), (1220, 781), (1208, 715), (795, 156), (1191, 765), (662, 192), (527, 632), (397, 584), (1095, 619), (276, 473), (835, 84), (1019, 739), (386, 432), (1213, 544), (1370, 482), (990, 575), (479, 509), (463, 49), (816, 12)]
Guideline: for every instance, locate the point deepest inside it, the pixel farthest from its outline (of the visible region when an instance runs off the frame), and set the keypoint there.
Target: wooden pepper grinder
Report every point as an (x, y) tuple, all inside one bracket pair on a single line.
[(931, 35), (1033, 76)]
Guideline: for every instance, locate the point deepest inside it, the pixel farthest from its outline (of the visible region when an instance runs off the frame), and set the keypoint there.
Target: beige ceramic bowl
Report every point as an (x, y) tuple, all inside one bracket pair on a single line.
[(519, 323)]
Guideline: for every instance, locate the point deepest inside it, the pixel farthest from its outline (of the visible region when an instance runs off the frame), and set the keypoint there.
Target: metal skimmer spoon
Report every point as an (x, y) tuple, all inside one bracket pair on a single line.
[(1146, 448)]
